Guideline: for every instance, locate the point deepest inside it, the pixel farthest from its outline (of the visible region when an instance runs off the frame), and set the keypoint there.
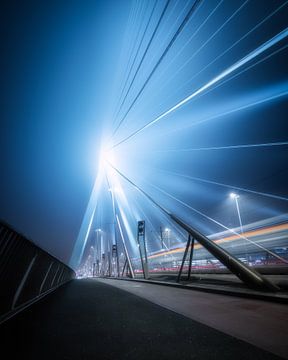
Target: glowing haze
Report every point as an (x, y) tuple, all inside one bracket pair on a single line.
[(185, 99)]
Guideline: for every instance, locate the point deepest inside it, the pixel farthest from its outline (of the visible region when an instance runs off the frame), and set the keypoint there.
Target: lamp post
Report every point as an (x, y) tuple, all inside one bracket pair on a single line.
[(236, 197), (98, 249), (161, 237), (168, 237)]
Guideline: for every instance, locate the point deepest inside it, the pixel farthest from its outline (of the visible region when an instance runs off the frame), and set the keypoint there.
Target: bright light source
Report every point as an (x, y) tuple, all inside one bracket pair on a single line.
[(234, 196), (167, 229), (115, 189), (106, 156), (98, 230)]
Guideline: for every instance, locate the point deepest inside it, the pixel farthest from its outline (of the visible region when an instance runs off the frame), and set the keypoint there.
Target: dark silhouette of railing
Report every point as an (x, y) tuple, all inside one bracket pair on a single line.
[(27, 273)]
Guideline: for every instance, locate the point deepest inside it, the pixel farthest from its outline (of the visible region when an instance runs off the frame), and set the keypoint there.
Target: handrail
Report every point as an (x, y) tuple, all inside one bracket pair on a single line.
[(27, 272)]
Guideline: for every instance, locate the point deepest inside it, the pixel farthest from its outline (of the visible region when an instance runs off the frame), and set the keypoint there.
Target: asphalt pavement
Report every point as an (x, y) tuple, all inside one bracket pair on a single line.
[(87, 319)]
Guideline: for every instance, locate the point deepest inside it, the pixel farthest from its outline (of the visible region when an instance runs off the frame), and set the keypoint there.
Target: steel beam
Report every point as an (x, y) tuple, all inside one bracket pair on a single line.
[(191, 257), (125, 248), (249, 276), (184, 258)]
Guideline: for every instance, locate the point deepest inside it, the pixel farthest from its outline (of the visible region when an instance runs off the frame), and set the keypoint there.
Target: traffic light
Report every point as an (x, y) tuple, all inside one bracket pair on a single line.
[(141, 227)]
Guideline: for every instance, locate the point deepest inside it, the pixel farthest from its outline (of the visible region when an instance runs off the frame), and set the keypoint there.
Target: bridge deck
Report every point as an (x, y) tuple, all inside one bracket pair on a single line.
[(88, 319)]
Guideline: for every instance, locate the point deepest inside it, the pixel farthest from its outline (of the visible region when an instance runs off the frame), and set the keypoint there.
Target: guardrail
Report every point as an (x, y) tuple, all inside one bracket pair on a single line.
[(27, 273)]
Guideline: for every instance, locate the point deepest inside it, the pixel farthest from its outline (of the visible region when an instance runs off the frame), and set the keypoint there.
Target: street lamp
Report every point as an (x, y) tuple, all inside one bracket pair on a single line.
[(168, 238), (98, 249), (236, 197)]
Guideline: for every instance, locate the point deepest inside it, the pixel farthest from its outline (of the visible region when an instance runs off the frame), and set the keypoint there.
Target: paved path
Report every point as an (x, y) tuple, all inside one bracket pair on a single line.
[(261, 323), (87, 319)]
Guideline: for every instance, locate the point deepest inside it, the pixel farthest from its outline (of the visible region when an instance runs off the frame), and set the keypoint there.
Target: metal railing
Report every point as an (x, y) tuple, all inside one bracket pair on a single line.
[(27, 272)]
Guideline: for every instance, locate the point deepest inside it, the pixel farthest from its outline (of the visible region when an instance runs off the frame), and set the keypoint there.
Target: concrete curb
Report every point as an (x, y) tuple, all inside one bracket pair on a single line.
[(223, 290)]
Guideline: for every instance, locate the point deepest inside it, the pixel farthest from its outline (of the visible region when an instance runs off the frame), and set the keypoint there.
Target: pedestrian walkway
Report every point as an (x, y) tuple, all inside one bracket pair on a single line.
[(88, 319)]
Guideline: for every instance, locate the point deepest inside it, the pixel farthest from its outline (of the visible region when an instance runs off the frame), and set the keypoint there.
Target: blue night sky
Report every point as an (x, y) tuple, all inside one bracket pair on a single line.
[(58, 62), (189, 110)]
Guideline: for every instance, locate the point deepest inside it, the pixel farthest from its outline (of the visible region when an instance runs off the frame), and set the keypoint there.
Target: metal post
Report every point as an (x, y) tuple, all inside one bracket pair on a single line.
[(246, 274), (191, 258), (125, 249), (128, 272), (168, 238), (142, 248), (117, 255), (241, 225), (161, 236), (114, 214), (94, 269), (103, 264), (239, 216), (98, 260), (184, 258), (123, 270), (97, 267), (23, 281), (109, 263)]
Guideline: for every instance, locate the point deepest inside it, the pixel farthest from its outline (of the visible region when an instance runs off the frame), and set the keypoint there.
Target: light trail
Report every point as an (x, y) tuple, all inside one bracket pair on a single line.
[(171, 225), (157, 205), (251, 233), (219, 223), (268, 44)]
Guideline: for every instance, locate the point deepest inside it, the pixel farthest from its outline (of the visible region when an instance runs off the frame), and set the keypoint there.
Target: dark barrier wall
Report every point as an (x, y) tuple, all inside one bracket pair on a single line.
[(26, 272)]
